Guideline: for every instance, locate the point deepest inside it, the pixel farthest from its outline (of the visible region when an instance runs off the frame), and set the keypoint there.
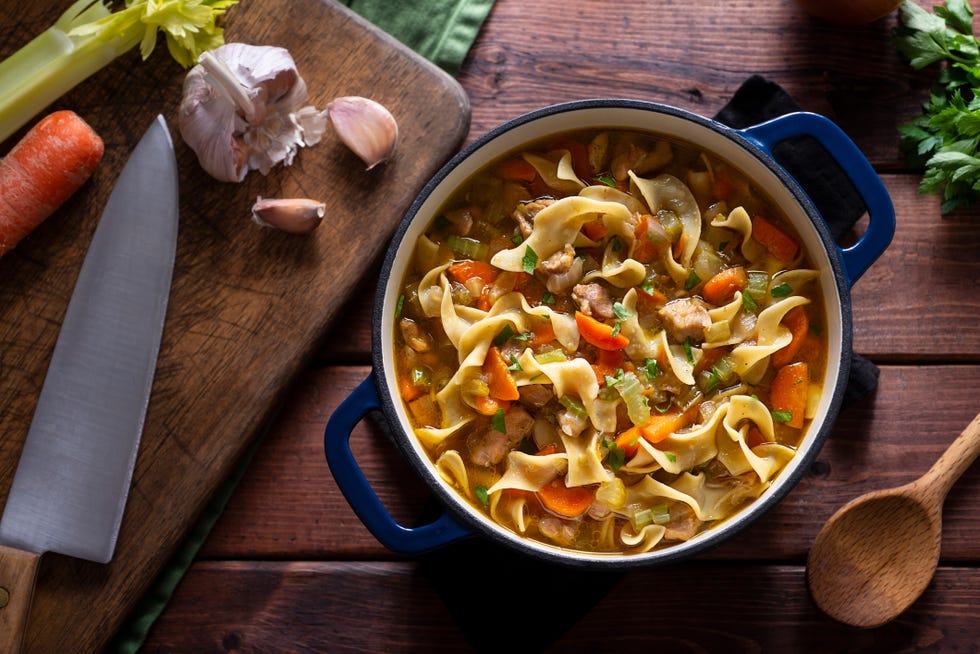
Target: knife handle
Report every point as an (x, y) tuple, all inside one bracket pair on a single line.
[(18, 574)]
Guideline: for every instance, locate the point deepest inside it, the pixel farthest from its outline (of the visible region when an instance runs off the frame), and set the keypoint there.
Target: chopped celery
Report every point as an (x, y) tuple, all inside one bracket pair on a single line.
[(758, 284), (574, 406), (661, 514), (467, 247), (551, 356), (631, 390), (671, 223), (87, 37)]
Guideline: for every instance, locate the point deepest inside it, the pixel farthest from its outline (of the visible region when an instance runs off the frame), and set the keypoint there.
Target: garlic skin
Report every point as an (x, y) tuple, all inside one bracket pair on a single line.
[(366, 127), (242, 110), (292, 215)]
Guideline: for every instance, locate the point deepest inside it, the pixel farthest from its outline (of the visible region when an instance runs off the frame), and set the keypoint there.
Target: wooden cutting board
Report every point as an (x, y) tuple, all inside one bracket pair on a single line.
[(248, 307)]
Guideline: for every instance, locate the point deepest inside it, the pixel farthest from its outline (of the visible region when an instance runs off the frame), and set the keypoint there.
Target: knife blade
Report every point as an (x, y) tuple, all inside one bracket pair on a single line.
[(72, 480)]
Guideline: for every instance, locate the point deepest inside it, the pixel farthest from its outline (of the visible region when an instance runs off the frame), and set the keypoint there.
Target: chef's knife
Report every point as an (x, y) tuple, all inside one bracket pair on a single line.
[(70, 487)]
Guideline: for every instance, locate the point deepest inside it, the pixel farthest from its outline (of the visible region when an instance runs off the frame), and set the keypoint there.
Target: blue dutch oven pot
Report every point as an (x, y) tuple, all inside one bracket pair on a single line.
[(750, 150)]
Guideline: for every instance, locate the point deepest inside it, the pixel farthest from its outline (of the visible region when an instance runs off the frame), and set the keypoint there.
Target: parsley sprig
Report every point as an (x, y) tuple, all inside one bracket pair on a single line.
[(944, 139)]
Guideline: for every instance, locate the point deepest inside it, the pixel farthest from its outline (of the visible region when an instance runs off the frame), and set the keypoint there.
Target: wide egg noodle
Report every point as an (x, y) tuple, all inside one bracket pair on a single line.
[(717, 501), (576, 378), (796, 278), (604, 193), (724, 329), (530, 471), (509, 509), (681, 451), (584, 465), (770, 336), (668, 192), (681, 366), (648, 491), (452, 470), (559, 175), (641, 345), (648, 538), (432, 437), (555, 226), (738, 220), (736, 455)]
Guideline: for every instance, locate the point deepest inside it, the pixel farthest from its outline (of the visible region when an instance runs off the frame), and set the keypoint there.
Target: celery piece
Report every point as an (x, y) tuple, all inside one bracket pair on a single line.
[(574, 406), (88, 37), (467, 247), (631, 390)]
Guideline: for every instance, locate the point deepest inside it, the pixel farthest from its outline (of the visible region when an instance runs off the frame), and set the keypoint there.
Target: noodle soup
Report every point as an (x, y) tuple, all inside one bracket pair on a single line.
[(609, 341)]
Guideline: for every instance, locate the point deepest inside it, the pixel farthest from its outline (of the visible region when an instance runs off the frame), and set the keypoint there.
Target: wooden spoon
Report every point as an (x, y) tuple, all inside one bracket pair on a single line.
[(876, 555)]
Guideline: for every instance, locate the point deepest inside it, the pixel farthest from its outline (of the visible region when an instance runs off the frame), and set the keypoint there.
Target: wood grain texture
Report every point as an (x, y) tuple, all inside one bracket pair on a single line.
[(340, 607), (248, 307)]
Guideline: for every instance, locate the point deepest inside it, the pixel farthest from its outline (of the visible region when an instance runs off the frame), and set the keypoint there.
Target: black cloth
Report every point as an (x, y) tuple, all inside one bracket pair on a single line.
[(485, 585)]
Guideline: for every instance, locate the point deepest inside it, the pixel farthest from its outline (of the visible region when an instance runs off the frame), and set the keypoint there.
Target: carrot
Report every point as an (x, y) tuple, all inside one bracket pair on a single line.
[(488, 405), (799, 326), (464, 271), (409, 390), (566, 502), (754, 437), (595, 230), (580, 157), (517, 170), (788, 392), (501, 382), (550, 448), (780, 244), (599, 334), (543, 333), (722, 286), (651, 295), (626, 441), (663, 425), (483, 302), (607, 362), (651, 240), (723, 187), (39, 174)]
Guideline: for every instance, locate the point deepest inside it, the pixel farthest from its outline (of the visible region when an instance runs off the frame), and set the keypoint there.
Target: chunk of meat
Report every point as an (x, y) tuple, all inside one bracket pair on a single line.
[(683, 523), (525, 213), (416, 339), (685, 318), (535, 395), (563, 269), (490, 447), (593, 300)]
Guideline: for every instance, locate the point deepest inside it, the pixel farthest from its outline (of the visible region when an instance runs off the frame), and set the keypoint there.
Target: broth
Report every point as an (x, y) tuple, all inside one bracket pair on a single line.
[(609, 341)]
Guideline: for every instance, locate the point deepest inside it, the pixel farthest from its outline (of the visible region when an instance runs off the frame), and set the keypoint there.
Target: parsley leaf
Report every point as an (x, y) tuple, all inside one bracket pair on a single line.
[(529, 261), (782, 416), (621, 311), (692, 281), (781, 290), (650, 368), (482, 495), (498, 423)]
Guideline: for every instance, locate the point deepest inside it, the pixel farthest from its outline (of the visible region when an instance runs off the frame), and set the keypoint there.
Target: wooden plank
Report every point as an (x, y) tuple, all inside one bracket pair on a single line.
[(288, 505), (430, 606), (248, 305)]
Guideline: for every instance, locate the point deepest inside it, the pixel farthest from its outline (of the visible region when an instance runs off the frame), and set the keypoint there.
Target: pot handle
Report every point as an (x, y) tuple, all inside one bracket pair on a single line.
[(356, 488), (881, 224)]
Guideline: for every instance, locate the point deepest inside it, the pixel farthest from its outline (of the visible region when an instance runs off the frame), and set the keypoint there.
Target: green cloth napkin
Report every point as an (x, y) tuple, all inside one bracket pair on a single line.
[(442, 31)]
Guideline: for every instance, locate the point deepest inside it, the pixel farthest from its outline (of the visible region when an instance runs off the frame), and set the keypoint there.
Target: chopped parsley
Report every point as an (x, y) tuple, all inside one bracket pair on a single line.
[(692, 281), (617, 455), (689, 349), (498, 423), (650, 368), (547, 298), (621, 311), (399, 306), (482, 495), (517, 239), (749, 303), (781, 290), (515, 365), (529, 261), (671, 457), (782, 416), (606, 179), (612, 381)]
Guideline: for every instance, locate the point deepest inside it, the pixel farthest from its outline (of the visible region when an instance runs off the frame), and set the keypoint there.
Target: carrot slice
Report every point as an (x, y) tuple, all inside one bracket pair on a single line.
[(722, 286), (543, 333), (799, 326), (599, 334), (779, 243), (607, 362), (566, 502), (501, 382), (788, 392), (663, 425), (464, 271), (517, 170), (488, 405), (626, 441), (42, 171), (595, 230), (723, 187)]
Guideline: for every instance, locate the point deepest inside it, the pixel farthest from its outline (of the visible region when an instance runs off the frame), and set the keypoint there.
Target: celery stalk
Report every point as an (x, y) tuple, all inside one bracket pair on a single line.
[(88, 37)]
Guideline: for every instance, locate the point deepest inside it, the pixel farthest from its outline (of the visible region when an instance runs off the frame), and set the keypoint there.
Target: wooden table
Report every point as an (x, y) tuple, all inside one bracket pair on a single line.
[(289, 567)]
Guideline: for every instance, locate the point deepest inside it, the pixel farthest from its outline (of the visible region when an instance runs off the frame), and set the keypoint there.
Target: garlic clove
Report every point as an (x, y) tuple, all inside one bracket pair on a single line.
[(366, 127), (291, 215)]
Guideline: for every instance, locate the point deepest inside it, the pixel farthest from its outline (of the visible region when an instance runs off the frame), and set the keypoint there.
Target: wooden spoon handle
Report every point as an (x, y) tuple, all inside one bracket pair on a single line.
[(954, 461)]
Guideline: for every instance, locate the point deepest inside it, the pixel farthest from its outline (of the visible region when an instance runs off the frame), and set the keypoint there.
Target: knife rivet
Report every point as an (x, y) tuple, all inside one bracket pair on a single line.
[(4, 597)]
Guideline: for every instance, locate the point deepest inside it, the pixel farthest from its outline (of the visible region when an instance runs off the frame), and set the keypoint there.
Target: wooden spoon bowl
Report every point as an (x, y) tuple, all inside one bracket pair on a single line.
[(878, 553)]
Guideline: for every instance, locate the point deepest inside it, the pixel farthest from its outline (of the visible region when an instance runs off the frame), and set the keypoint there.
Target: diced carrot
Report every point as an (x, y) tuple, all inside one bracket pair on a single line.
[(550, 448), (722, 286), (599, 334), (501, 382), (407, 389), (607, 362), (517, 170), (780, 244), (42, 171), (627, 441), (488, 405), (788, 392), (754, 437), (651, 240), (798, 324), (664, 424), (810, 349), (566, 502), (464, 271), (723, 187), (652, 296), (483, 302), (542, 333), (595, 230)]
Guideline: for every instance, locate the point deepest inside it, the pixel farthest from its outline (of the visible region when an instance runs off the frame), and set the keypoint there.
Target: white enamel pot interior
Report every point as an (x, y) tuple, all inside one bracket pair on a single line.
[(748, 150)]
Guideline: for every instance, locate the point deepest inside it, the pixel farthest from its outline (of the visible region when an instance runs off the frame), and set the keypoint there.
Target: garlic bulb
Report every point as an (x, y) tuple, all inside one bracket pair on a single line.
[(242, 109), (366, 127)]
